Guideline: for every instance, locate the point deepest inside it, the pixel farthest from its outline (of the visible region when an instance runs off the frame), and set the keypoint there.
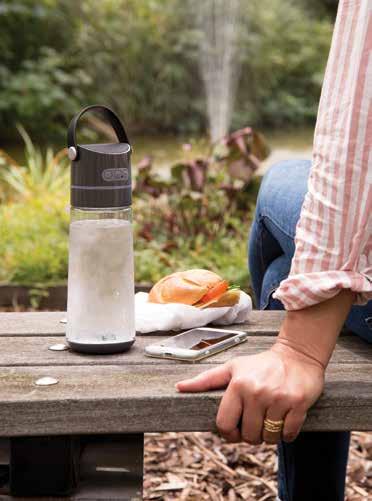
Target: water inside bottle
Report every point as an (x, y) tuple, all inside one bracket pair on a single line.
[(101, 282)]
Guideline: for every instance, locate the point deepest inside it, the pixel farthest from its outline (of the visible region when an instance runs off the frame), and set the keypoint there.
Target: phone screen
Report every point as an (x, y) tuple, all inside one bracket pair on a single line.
[(198, 339)]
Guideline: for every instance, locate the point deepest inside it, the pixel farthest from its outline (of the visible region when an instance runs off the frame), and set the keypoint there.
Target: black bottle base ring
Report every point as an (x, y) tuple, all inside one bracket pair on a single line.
[(100, 348)]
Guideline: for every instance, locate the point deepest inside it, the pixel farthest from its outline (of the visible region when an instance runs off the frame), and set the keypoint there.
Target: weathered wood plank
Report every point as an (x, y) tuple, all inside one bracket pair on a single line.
[(126, 399), (48, 323), (33, 351), (32, 324)]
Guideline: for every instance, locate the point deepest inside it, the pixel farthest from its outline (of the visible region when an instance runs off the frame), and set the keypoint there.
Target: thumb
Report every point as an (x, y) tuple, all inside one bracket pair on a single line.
[(219, 377)]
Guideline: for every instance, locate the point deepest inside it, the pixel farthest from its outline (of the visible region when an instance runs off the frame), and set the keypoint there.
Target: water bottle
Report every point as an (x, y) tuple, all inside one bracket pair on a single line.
[(100, 304)]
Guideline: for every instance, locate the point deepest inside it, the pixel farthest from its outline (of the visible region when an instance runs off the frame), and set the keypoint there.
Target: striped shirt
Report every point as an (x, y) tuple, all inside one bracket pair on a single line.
[(334, 233)]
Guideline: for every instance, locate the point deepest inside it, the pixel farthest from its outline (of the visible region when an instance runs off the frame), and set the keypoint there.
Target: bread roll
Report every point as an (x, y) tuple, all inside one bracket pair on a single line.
[(186, 287)]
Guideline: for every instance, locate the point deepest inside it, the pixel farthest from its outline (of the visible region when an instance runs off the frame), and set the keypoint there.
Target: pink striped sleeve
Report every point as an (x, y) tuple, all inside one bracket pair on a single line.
[(334, 233)]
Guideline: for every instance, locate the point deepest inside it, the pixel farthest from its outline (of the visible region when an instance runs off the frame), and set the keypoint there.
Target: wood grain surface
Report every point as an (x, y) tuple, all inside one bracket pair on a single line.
[(48, 323), (25, 351), (130, 393)]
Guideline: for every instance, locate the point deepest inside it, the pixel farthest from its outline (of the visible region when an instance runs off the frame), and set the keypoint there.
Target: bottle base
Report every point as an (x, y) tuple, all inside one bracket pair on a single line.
[(100, 348)]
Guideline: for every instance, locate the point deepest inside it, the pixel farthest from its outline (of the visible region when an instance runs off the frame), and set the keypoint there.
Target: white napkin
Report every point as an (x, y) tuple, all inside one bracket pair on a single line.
[(152, 317)]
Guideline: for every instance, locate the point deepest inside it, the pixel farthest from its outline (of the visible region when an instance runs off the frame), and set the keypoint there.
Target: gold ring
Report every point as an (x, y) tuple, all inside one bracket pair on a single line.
[(273, 426)]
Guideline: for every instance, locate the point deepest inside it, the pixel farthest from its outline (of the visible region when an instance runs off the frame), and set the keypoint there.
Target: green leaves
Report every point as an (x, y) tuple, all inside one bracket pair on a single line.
[(189, 220), (34, 240), (45, 174), (34, 221), (141, 57), (233, 287), (44, 93), (285, 44), (199, 217)]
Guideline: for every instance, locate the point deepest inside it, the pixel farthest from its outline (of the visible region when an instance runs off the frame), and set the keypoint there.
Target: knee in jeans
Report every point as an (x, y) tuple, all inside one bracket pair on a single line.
[(280, 180)]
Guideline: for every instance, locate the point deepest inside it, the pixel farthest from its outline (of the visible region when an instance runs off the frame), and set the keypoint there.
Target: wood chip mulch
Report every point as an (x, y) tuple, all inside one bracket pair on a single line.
[(201, 466)]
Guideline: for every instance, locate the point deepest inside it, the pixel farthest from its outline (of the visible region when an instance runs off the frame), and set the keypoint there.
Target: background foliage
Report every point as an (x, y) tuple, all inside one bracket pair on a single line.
[(196, 217), (141, 58), (34, 240)]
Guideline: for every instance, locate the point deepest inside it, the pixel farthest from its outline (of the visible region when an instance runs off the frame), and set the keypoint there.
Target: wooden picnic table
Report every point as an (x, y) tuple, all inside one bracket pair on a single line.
[(115, 399)]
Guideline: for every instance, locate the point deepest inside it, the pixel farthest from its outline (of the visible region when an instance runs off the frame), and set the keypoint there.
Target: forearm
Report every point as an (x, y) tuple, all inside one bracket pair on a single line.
[(333, 241), (313, 332)]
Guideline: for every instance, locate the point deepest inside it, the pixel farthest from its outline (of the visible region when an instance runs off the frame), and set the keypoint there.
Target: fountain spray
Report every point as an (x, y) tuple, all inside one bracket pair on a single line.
[(218, 23)]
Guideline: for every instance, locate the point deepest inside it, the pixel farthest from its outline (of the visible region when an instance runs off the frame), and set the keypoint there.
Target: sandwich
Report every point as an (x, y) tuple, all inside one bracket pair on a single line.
[(199, 288)]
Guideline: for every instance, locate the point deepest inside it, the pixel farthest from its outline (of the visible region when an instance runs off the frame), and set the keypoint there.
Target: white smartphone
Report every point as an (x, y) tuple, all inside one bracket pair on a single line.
[(196, 344)]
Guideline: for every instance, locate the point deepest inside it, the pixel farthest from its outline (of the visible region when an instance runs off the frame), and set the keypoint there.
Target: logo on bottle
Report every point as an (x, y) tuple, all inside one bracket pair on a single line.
[(108, 337), (120, 174)]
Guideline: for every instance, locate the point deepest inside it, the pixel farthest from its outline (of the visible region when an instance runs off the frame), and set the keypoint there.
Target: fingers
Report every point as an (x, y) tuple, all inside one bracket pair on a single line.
[(293, 420), (239, 402), (236, 404), (274, 415), (251, 426), (293, 424), (228, 416), (219, 377)]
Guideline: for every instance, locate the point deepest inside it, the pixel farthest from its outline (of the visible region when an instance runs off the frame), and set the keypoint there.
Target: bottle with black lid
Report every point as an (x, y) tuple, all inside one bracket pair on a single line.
[(100, 306)]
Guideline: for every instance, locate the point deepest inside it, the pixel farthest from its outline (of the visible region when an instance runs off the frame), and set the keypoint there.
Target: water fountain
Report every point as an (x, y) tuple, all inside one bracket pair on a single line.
[(218, 24)]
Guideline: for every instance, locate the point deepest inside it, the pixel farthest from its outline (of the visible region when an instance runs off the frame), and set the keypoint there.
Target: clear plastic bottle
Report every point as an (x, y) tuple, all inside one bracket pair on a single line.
[(100, 305), (101, 280)]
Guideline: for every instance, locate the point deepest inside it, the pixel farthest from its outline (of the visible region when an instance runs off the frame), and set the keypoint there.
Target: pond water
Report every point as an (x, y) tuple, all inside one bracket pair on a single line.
[(167, 149)]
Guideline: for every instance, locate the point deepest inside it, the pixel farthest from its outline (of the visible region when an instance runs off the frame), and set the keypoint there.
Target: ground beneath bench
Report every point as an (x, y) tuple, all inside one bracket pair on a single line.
[(200, 466)]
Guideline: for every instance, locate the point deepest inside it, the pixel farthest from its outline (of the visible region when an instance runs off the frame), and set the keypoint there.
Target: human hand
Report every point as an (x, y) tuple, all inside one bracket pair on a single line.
[(278, 384), (281, 383)]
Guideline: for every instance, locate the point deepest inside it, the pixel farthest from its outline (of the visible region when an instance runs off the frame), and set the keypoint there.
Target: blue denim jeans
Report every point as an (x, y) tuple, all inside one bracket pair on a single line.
[(313, 467)]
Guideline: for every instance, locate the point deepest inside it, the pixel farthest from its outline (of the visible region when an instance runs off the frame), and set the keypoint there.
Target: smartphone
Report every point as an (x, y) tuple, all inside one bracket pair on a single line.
[(196, 344)]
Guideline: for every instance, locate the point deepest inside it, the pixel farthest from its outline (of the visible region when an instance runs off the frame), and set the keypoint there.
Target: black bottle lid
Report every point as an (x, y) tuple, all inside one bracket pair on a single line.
[(100, 173)]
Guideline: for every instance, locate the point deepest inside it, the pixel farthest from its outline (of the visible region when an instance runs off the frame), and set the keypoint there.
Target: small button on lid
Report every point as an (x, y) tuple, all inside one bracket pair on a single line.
[(72, 153)]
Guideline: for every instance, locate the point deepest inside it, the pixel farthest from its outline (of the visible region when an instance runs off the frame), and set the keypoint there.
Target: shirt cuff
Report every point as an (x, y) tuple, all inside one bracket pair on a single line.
[(304, 290)]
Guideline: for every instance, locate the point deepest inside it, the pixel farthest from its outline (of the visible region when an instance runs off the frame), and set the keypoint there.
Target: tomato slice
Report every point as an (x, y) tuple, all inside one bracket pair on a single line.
[(214, 292)]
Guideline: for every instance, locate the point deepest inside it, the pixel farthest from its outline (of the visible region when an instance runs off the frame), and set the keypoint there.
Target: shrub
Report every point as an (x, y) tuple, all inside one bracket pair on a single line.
[(34, 240), (200, 216), (284, 52), (34, 221), (197, 218), (44, 173), (34, 246), (41, 82), (141, 57)]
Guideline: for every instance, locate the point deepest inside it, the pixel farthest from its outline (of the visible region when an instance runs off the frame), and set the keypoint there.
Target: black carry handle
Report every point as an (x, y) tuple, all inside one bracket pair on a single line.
[(108, 114)]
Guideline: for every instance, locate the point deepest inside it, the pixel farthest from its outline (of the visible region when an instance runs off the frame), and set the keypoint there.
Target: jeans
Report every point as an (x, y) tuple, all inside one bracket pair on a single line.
[(313, 467)]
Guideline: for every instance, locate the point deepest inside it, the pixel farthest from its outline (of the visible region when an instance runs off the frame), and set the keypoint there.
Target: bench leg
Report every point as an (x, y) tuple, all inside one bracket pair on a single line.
[(112, 467), (42, 466), (87, 467), (4, 462)]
